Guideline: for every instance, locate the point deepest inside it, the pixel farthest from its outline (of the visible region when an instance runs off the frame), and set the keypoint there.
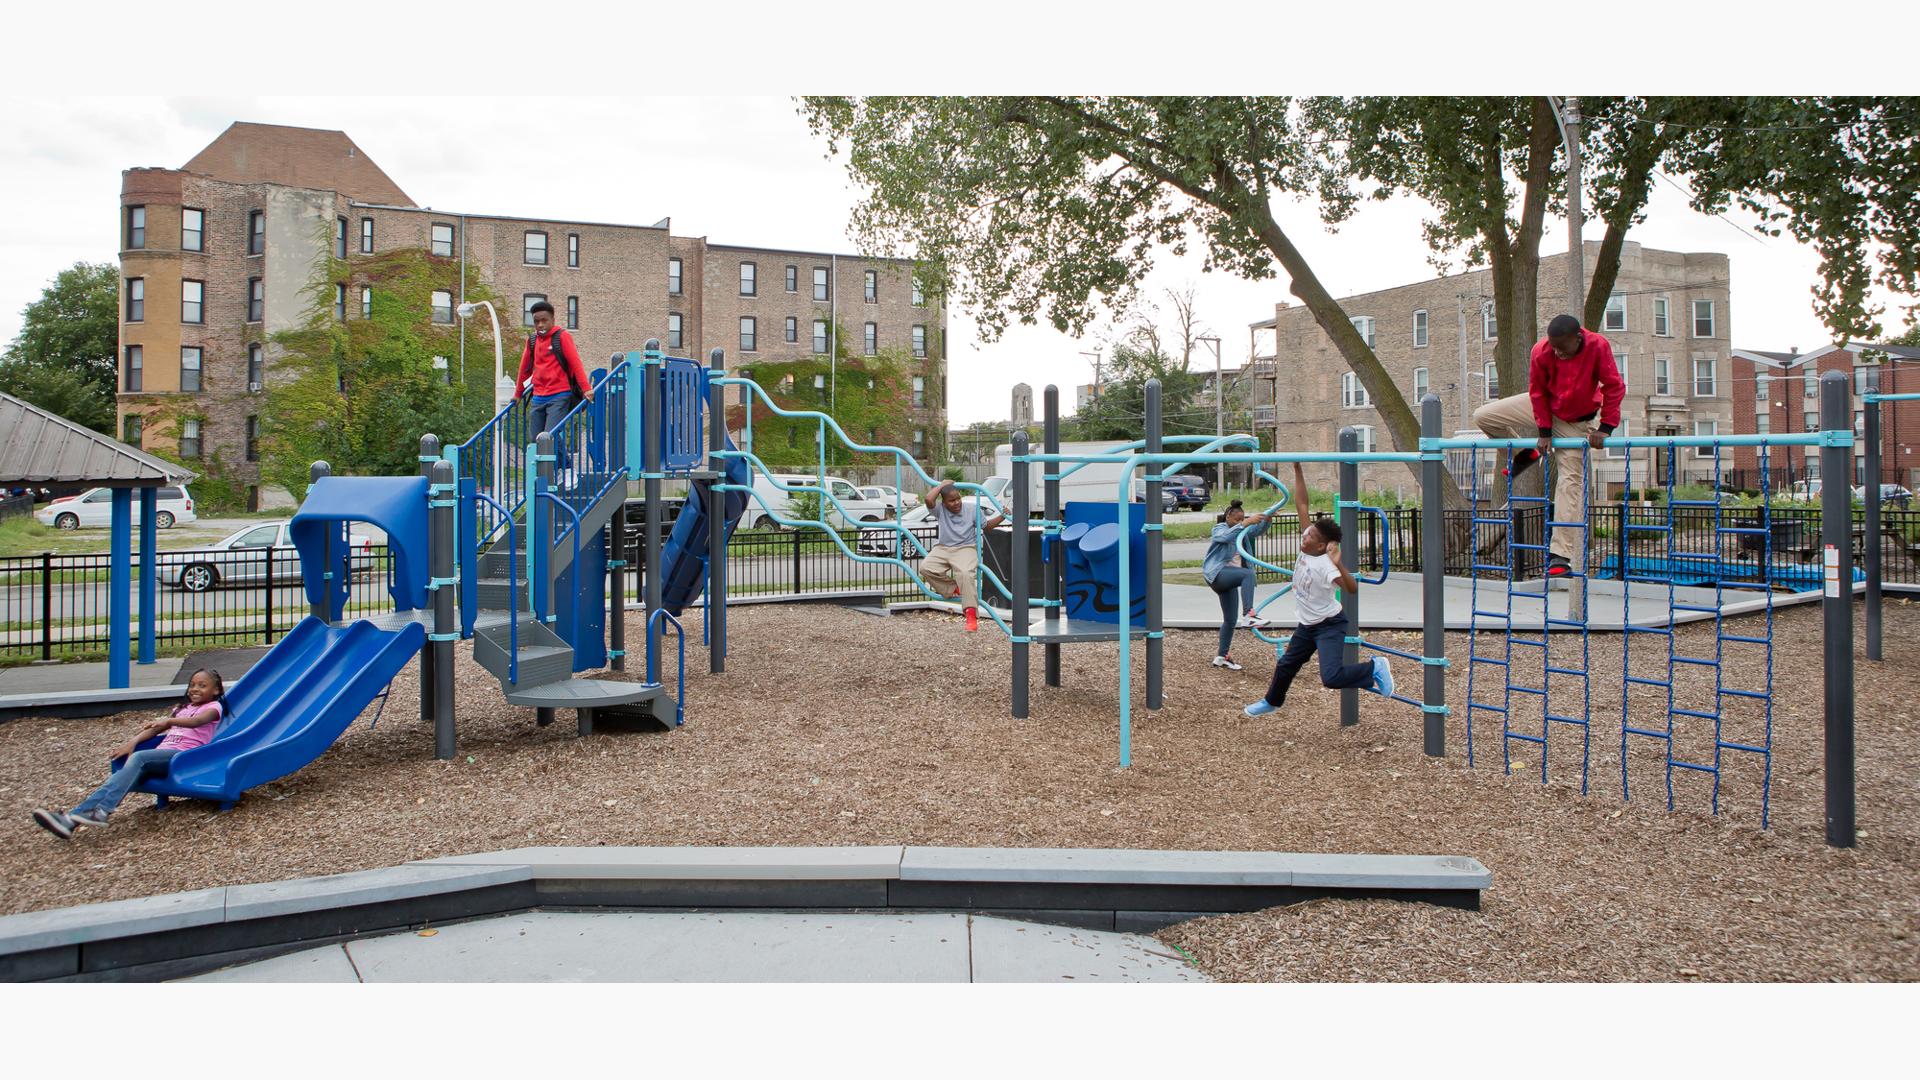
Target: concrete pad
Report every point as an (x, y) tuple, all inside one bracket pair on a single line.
[(1096, 866), (118, 918), (663, 947), (693, 863), (327, 964), (362, 887), (1389, 871), (1005, 951)]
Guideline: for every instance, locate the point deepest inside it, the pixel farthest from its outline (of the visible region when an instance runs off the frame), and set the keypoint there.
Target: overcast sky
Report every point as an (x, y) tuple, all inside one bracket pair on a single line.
[(741, 170)]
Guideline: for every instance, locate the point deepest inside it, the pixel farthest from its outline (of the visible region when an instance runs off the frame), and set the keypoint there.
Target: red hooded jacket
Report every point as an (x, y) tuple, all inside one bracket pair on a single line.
[(549, 377), (1577, 388)]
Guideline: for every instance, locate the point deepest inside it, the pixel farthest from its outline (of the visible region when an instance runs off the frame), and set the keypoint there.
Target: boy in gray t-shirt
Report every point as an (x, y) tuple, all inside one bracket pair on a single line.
[(950, 566)]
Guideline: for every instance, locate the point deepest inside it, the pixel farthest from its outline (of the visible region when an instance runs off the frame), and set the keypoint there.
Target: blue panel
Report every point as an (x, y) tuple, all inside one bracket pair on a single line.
[(1092, 586), (589, 598), (149, 572), (397, 504), (683, 558)]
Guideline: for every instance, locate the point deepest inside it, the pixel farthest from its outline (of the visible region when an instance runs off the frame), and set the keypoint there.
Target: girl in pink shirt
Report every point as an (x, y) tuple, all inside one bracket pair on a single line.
[(189, 724)]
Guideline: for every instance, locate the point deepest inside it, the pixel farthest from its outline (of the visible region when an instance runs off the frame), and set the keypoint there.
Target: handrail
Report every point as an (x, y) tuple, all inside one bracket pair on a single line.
[(575, 570), (513, 602), (485, 457), (827, 496), (1386, 544), (680, 636), (1842, 437), (586, 427)]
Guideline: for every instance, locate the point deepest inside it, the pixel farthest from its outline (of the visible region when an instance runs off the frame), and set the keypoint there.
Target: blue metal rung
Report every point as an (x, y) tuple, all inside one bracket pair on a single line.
[(1692, 502), (1537, 740), (1528, 498), (1491, 614), (1393, 652), (1695, 660), (1566, 622), (1491, 567), (1756, 695), (1745, 747), (1528, 547), (1490, 521), (1486, 708), (1715, 769), (1566, 720), (1662, 683), (1565, 671), (1661, 630), (1647, 733), (1695, 713), (1494, 660), (1411, 701), (1742, 530), (1528, 690), (1696, 607), (1648, 528), (1541, 644), (1743, 639), (1566, 524)]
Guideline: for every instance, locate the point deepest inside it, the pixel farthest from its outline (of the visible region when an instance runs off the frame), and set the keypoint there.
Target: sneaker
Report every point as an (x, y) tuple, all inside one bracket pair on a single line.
[(1260, 708), (1558, 567), (54, 822), (1522, 461), (1250, 621), (973, 619), (1382, 677), (95, 818), (1221, 661)]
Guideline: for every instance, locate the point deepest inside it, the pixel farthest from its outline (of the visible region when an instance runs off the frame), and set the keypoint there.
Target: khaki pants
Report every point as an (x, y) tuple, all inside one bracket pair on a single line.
[(1512, 418), (945, 568)]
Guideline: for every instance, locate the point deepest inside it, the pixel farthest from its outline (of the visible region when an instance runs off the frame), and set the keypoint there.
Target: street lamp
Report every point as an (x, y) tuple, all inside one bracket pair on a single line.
[(1219, 421), (502, 386)]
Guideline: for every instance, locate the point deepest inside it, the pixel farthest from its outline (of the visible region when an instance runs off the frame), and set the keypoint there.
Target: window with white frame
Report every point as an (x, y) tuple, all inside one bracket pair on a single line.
[(820, 283), (1762, 390), (1703, 318), (673, 277), (919, 292), (1620, 362), (1364, 324), (190, 358), (257, 232), (256, 368), (136, 299), (1661, 326), (820, 336), (1617, 452), (1419, 385), (1866, 380), (749, 279), (1706, 429), (871, 288), (919, 441), (1365, 431), (442, 306), (676, 332), (919, 392), (573, 250), (1352, 394), (793, 330), (1615, 317), (793, 279), (340, 301), (1662, 376), (871, 338), (1491, 375), (440, 240), (749, 334), (366, 236), (1705, 384), (366, 301), (527, 300), (193, 295), (1763, 424), (136, 227), (340, 237), (1420, 329), (534, 250), (193, 229), (920, 341), (189, 438), (573, 313), (1489, 326), (136, 362), (256, 299), (1811, 389)]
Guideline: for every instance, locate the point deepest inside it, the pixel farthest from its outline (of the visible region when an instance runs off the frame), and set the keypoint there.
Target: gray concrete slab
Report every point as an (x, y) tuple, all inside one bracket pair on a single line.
[(1005, 951), (91, 676), (693, 863), (1388, 871), (323, 965), (1096, 865), (118, 918), (363, 887)]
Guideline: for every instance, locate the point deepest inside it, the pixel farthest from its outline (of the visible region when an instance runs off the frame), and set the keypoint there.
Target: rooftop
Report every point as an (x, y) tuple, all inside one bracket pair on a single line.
[(249, 153), (38, 447)]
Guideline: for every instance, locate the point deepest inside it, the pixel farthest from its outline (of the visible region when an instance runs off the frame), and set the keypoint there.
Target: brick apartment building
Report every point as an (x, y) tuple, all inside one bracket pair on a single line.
[(217, 256), (1780, 392), (1668, 322)]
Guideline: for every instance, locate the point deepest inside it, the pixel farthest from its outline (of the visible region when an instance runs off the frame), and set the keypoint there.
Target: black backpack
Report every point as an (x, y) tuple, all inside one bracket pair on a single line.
[(553, 343)]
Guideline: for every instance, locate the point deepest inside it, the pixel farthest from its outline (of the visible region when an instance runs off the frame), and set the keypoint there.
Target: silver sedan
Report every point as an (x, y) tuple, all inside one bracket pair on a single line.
[(243, 558)]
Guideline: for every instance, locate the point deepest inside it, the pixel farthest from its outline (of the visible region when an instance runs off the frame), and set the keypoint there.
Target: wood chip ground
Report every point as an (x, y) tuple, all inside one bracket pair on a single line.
[(835, 727)]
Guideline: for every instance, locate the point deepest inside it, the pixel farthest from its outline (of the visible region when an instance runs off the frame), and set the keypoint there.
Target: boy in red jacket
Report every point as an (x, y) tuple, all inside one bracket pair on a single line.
[(551, 366), (1571, 380)]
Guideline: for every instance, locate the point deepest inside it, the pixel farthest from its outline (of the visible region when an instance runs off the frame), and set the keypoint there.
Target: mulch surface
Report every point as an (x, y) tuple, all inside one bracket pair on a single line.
[(835, 727)]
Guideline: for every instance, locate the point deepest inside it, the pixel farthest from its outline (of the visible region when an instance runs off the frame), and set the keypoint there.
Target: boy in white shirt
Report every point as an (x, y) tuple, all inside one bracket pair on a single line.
[(1322, 626)]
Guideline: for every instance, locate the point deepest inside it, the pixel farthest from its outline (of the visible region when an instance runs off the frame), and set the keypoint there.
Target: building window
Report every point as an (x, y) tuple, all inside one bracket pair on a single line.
[(1420, 329), (1619, 451), (1352, 394), (256, 368), (340, 301), (793, 279), (339, 237), (1489, 325), (136, 227), (1419, 385), (1615, 317), (256, 299), (1866, 380), (253, 438), (793, 330), (1661, 328), (442, 306), (820, 387), (1811, 390), (1662, 377), (1491, 375), (919, 392), (676, 332), (573, 250), (189, 369), (193, 295), (872, 287), (1703, 318), (527, 300), (1364, 324), (872, 339), (189, 438), (749, 334), (573, 313), (1706, 429), (1762, 387), (749, 279), (257, 232), (534, 252), (1763, 424), (819, 283), (1365, 431), (440, 240), (673, 277), (132, 428), (820, 336), (193, 229), (366, 236), (919, 442), (1620, 364), (136, 299), (920, 341), (136, 376), (919, 292), (1704, 383), (366, 301)]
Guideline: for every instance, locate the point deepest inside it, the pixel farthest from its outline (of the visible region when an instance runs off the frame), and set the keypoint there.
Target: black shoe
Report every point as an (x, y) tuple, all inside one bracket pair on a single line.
[(54, 822), (1522, 461), (1558, 567)]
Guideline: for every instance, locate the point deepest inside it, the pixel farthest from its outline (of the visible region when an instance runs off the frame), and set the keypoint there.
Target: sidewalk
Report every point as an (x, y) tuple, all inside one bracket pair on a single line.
[(56, 678)]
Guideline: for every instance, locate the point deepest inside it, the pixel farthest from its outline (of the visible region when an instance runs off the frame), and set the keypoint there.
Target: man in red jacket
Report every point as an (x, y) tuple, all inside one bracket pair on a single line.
[(551, 366), (1571, 380)]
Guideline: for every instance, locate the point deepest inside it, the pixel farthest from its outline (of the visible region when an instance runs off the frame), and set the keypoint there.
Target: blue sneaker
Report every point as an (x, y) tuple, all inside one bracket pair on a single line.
[(1382, 677), (1260, 708)]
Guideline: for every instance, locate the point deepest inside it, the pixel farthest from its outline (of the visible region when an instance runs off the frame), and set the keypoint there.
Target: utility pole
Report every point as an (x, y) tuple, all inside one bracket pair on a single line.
[(1096, 372), (1219, 416), (1465, 387)]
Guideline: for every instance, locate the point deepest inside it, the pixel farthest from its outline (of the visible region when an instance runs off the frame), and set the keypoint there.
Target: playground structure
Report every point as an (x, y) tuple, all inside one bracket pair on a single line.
[(1873, 550)]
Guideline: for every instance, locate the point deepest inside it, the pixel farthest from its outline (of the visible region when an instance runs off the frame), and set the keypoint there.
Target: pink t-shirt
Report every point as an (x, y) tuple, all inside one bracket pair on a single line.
[(186, 738)]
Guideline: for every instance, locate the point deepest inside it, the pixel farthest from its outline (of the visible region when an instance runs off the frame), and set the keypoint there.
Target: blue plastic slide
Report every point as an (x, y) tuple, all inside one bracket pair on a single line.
[(683, 558)]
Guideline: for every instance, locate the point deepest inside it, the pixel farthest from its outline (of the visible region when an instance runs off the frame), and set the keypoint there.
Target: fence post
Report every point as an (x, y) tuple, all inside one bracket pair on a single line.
[(1433, 604), (268, 636), (1870, 545), (1836, 529), (46, 606), (1350, 600), (794, 535)]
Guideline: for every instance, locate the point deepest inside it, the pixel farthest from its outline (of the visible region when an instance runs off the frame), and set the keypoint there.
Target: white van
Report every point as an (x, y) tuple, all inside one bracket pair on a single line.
[(93, 509), (1096, 482), (858, 507)]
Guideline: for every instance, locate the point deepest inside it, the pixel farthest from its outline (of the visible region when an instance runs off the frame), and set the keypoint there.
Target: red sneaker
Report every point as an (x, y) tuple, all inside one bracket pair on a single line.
[(973, 619), (1522, 461)]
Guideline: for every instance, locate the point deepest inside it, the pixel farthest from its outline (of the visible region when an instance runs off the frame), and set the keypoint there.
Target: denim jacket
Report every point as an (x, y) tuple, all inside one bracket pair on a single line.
[(1220, 550)]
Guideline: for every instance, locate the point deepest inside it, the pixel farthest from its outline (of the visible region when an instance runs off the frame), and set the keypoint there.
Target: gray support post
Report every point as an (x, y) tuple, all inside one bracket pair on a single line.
[(1349, 557), (1836, 535), (1017, 547), (440, 527), (1056, 558), (617, 586), (1155, 642), (716, 509), (540, 512), (318, 609), (651, 416), (429, 463), (1433, 568), (1870, 546)]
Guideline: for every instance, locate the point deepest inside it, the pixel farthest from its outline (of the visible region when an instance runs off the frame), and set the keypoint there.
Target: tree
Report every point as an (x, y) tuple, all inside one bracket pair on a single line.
[(870, 397), (1121, 410), (1054, 206), (65, 359)]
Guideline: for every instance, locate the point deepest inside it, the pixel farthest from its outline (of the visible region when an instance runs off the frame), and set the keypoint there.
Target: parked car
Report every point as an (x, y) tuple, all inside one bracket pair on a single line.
[(1804, 490), (93, 509), (241, 558), (919, 521), (1890, 495), (771, 497), (1189, 490), (892, 498)]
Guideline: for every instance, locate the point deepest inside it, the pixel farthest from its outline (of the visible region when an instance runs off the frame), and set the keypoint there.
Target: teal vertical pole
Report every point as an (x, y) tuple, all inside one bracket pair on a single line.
[(119, 588), (1871, 548), (149, 570)]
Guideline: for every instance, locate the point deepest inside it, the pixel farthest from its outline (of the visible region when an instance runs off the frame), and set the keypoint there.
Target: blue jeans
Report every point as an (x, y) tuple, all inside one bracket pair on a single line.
[(544, 413), (142, 765), (1329, 639), (1229, 581)]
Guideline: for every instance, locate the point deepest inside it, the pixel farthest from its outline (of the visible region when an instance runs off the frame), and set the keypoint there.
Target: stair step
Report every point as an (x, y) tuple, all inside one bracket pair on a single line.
[(542, 658), (583, 694), (500, 594)]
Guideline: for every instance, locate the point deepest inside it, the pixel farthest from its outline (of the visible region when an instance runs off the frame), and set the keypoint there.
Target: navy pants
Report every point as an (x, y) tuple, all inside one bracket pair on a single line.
[(141, 765), (544, 413), (1329, 639), (1231, 583)]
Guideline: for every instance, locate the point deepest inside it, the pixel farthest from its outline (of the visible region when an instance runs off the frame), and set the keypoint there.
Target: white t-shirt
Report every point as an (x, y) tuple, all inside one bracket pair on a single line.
[(1314, 582)]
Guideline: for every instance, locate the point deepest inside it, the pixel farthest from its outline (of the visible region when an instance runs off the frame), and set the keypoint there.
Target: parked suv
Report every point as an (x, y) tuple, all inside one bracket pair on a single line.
[(94, 509), (1890, 495), (1189, 490)]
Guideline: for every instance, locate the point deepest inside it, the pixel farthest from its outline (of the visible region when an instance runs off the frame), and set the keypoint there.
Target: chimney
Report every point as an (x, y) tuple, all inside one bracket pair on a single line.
[(1792, 350)]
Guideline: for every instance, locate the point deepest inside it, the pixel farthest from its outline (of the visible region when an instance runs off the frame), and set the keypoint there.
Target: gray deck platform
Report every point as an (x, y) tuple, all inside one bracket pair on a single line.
[(583, 694)]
